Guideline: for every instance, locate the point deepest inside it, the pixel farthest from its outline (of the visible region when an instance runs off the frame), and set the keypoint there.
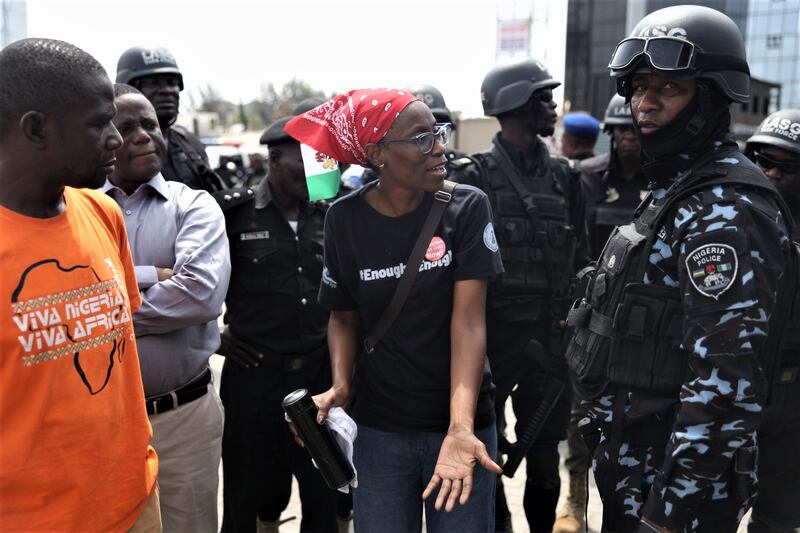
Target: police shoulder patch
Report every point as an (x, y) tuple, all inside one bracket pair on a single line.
[(712, 269), (489, 238)]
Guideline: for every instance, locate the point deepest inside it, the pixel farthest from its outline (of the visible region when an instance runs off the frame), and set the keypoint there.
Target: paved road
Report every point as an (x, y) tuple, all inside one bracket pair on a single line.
[(514, 488)]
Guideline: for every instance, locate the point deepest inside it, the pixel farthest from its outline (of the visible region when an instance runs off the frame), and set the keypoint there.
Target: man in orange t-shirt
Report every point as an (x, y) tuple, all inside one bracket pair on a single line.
[(74, 435)]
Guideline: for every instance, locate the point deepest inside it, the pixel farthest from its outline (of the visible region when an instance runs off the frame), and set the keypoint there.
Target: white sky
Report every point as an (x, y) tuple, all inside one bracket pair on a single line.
[(334, 45)]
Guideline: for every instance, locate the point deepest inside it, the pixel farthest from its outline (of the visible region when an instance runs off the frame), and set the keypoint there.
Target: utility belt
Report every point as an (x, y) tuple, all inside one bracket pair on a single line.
[(193, 390), (292, 363)]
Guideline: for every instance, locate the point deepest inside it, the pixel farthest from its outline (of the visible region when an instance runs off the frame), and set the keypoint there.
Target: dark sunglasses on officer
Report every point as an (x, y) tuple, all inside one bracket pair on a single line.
[(787, 168)]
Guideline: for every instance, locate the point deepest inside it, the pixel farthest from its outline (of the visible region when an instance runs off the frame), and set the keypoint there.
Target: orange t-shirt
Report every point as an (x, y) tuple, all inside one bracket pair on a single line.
[(74, 434)]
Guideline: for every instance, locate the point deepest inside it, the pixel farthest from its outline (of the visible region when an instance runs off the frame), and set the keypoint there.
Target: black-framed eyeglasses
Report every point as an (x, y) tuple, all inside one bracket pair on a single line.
[(789, 168), (426, 141)]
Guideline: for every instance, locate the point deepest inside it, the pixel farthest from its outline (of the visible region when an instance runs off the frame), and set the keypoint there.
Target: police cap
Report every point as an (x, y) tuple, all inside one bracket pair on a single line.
[(582, 126), (276, 133)]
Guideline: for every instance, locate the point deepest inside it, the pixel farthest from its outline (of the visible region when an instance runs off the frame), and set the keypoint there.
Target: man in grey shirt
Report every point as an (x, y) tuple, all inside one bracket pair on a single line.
[(177, 238)]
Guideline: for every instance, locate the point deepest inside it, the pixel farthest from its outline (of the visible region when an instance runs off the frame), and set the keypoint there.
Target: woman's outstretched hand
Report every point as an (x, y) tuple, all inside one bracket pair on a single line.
[(459, 453)]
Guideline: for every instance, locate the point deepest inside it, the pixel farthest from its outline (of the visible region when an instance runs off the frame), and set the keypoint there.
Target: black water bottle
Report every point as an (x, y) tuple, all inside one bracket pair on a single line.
[(334, 467)]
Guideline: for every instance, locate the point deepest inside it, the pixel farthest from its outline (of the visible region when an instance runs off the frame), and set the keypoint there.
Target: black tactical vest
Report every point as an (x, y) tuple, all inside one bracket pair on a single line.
[(537, 240), (628, 333), (188, 166)]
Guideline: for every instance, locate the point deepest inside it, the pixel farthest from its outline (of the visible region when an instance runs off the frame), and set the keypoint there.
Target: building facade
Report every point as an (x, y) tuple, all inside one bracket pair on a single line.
[(770, 28), (13, 21)]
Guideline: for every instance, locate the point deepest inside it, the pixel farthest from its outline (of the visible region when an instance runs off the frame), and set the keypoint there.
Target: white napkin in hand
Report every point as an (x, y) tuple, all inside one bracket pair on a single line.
[(344, 433)]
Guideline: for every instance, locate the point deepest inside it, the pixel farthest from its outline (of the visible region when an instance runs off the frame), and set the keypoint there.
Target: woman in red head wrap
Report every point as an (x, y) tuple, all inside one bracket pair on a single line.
[(424, 402)]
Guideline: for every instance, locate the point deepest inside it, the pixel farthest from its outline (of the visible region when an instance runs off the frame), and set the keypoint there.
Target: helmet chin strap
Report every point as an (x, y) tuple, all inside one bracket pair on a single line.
[(704, 120), (169, 124)]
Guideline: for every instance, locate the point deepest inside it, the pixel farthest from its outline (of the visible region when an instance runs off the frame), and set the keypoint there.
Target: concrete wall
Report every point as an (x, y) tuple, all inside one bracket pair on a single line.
[(475, 134)]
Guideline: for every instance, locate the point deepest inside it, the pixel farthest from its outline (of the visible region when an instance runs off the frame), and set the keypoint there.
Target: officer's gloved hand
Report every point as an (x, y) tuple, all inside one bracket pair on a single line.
[(238, 350)]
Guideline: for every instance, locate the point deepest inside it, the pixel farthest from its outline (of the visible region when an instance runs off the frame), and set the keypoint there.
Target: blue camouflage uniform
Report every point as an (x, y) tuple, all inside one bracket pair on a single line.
[(670, 454)]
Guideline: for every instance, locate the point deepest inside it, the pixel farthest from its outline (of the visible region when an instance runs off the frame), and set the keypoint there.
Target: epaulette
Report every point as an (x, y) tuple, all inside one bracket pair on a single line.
[(230, 198), (460, 163), (571, 164), (322, 205)]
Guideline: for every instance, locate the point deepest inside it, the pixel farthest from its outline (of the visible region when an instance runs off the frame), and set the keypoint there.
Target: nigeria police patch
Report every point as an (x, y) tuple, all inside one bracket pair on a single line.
[(712, 269)]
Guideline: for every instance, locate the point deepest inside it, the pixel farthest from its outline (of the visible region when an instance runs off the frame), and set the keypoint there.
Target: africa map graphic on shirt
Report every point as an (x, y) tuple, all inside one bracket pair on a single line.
[(87, 322)]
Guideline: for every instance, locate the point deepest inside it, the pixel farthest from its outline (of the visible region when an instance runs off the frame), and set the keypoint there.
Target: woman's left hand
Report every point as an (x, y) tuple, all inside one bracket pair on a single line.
[(460, 450)]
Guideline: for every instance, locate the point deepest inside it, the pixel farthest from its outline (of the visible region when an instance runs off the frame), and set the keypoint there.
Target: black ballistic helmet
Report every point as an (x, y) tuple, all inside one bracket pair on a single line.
[(509, 87), (686, 42), (618, 113), (138, 62), (432, 98), (780, 130)]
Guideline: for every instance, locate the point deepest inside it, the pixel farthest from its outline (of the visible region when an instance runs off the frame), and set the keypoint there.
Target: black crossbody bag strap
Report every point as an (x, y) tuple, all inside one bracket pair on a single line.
[(442, 198)]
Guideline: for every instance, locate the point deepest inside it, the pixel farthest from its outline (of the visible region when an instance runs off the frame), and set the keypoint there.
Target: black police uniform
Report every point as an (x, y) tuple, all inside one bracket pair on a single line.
[(667, 346), (272, 305), (610, 198), (187, 162), (541, 246)]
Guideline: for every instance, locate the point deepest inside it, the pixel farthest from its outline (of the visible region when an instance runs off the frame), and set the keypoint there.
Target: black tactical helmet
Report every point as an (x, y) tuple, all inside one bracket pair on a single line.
[(618, 113), (509, 87), (138, 62), (432, 98), (781, 130), (689, 42)]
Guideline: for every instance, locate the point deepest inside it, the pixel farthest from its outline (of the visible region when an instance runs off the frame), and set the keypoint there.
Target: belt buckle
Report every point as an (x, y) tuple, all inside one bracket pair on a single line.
[(293, 364), (171, 395)]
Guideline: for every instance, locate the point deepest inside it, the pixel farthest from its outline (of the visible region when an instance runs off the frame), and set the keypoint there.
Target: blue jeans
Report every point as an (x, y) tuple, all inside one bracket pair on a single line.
[(393, 470)]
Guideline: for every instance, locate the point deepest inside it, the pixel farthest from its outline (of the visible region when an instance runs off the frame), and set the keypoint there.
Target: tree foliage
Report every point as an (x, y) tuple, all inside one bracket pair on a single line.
[(271, 105)]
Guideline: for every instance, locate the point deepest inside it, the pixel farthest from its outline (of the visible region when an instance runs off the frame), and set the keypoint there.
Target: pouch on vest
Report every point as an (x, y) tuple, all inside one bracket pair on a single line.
[(587, 354), (646, 344)]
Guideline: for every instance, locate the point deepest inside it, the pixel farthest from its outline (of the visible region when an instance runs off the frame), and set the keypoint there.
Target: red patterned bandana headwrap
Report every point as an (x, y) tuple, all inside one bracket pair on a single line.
[(342, 127)]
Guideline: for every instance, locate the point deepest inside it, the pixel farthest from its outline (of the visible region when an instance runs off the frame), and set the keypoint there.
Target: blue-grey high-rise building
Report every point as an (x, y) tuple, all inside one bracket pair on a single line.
[(770, 29)]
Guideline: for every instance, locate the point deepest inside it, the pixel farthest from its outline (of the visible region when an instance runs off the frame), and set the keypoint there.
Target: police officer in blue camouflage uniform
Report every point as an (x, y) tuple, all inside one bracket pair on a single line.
[(670, 345), (539, 215), (613, 186), (775, 148)]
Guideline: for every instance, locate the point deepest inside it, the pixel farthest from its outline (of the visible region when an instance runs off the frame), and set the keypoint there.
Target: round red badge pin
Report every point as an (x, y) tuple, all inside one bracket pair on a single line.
[(436, 249)]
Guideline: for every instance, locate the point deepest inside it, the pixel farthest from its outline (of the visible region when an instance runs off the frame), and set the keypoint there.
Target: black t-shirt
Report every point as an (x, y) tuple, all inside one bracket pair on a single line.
[(406, 380)]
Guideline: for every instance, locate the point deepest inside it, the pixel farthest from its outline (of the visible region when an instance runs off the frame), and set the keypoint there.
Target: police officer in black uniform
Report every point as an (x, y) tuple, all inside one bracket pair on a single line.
[(539, 214), (775, 148), (671, 347), (613, 183), (274, 343), (155, 73)]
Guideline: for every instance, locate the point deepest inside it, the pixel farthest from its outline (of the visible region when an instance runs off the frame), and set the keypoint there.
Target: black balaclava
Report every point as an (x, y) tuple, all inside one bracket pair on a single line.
[(693, 132)]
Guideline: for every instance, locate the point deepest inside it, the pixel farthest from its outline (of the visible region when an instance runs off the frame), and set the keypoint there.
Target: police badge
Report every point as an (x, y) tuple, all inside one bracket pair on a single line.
[(712, 269)]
